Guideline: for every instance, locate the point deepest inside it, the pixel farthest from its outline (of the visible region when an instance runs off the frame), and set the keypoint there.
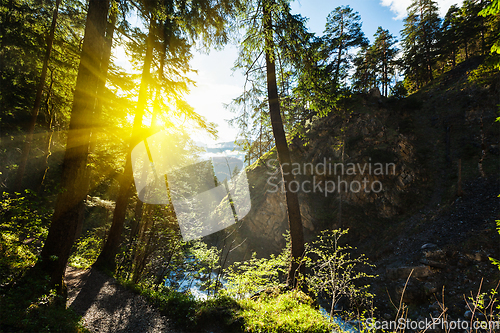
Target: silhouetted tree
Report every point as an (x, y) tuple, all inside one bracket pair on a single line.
[(74, 183), (38, 100), (342, 32)]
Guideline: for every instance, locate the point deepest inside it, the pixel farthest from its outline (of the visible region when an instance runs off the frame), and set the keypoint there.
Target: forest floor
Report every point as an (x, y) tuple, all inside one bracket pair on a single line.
[(105, 306)]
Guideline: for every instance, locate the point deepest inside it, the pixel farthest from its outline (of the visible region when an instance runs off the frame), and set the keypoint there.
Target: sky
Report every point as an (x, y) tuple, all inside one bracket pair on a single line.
[(217, 84)]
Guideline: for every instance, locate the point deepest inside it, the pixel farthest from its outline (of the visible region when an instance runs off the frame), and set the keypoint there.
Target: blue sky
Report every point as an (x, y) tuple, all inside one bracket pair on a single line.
[(372, 15), (218, 85)]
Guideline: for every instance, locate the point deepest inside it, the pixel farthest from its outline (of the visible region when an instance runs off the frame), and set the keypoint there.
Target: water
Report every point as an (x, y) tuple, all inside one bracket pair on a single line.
[(194, 286), (344, 326)]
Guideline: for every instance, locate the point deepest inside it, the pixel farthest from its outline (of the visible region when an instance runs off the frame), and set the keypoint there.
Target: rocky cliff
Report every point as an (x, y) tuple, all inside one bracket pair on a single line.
[(405, 167)]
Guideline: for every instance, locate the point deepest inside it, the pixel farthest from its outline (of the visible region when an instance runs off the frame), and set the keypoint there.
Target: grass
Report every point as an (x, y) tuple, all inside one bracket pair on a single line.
[(292, 311), (30, 306), (274, 310), (27, 304)]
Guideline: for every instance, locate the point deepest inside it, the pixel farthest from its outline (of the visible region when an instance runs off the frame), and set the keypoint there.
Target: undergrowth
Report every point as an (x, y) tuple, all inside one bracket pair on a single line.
[(27, 304), (292, 311)]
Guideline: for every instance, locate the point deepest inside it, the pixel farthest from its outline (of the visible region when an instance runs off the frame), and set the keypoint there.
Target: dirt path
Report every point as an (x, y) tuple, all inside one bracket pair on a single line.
[(107, 307)]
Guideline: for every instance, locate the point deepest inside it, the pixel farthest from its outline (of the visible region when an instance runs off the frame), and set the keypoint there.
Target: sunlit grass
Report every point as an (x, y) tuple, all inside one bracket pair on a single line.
[(292, 311)]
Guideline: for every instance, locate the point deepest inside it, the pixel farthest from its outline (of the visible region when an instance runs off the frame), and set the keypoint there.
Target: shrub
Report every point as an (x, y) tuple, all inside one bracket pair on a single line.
[(333, 271), (23, 227), (247, 278), (30, 306), (180, 307), (493, 260), (86, 251)]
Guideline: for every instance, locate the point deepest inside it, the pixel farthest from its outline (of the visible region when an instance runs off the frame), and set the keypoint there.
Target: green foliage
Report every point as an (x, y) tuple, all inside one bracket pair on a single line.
[(253, 275), (292, 311), (32, 307), (181, 307), (493, 9), (222, 309), (204, 262), (334, 272), (86, 251), (29, 305), (25, 219), (484, 74), (399, 91), (186, 311), (376, 64), (342, 32), (484, 304), (420, 35), (496, 261), (256, 274), (272, 308)]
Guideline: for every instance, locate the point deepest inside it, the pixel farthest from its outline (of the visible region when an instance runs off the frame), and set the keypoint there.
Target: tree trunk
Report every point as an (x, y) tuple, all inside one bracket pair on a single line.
[(38, 100), (62, 231), (101, 88), (106, 259), (466, 42), (50, 134), (137, 219), (292, 200), (339, 57), (453, 56)]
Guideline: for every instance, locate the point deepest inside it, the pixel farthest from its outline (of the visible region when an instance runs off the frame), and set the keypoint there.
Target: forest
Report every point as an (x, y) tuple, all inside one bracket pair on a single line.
[(367, 197)]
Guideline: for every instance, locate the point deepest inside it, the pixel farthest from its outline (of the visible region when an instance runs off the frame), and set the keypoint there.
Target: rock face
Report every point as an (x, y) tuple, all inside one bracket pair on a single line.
[(416, 221), (405, 272), (372, 175)]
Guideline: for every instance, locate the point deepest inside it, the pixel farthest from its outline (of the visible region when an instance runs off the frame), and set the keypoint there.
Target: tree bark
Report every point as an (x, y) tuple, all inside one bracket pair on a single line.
[(101, 88), (106, 259), (38, 100), (292, 200), (339, 56), (50, 134), (56, 250)]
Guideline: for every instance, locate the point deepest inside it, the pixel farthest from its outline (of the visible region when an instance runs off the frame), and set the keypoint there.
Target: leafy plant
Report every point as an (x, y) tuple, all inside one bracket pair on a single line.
[(86, 251), (31, 306), (484, 305), (180, 307), (333, 271), (249, 277), (23, 227), (399, 91), (496, 261)]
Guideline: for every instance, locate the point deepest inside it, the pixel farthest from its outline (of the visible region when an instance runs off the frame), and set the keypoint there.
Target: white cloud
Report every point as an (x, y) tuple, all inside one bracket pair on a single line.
[(398, 7)]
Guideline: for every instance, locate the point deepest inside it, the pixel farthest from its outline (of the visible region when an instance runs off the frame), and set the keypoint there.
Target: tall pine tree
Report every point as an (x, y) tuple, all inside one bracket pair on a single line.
[(420, 36), (342, 32)]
